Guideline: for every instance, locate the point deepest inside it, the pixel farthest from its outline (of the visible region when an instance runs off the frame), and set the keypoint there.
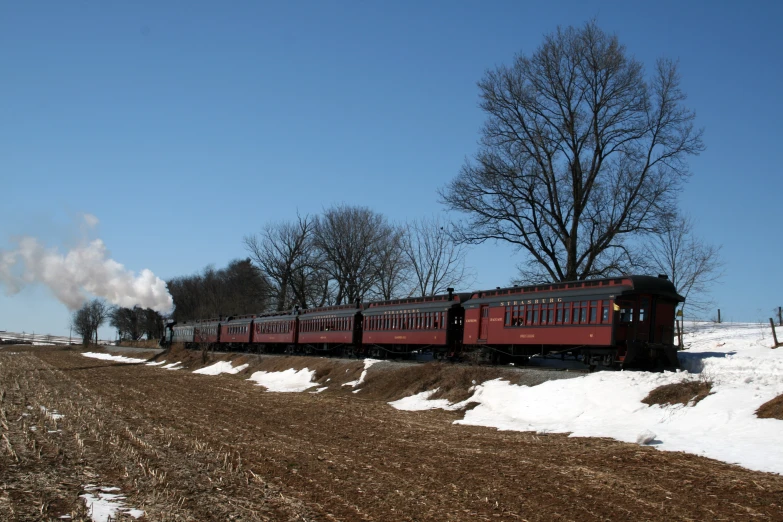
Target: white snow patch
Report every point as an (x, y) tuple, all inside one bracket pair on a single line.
[(102, 505), (221, 367), (173, 366), (421, 401), (738, 360), (286, 381), (156, 363), (367, 364), (52, 414), (116, 358), (319, 390)]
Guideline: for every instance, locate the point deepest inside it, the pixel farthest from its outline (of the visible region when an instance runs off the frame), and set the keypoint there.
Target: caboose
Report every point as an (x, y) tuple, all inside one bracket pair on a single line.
[(625, 321)]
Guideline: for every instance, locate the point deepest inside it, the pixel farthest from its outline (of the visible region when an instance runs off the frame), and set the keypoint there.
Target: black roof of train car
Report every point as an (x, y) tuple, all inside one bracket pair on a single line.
[(615, 285)]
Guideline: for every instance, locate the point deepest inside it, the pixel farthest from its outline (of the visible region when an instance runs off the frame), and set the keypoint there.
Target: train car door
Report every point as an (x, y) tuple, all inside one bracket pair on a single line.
[(483, 322), (624, 326), (643, 316)]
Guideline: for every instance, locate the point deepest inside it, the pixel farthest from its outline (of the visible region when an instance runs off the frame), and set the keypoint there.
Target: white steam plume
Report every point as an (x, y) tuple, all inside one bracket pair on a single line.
[(82, 270)]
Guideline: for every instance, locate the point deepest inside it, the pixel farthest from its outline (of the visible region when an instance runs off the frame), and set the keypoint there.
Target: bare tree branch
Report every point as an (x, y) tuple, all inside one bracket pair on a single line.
[(578, 154)]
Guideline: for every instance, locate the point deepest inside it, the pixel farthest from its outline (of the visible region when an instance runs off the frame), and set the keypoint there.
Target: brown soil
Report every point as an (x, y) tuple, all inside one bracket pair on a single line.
[(771, 409), (688, 392), (190, 447)]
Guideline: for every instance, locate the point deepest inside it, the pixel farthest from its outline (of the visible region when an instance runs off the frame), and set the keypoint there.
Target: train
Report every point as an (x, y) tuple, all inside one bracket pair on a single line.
[(620, 322)]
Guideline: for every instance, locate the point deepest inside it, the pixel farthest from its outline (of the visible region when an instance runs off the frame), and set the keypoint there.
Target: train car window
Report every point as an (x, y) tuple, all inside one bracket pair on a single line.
[(594, 311), (508, 316), (644, 306), (626, 313), (559, 313), (529, 311), (535, 315), (551, 313)]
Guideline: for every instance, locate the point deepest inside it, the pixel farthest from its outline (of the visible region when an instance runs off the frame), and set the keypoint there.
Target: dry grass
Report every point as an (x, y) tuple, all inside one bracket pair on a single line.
[(188, 447), (688, 393), (152, 343), (771, 409)]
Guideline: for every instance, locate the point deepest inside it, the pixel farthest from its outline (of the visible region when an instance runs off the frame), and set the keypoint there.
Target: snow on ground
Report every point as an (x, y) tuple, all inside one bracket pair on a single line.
[(287, 381), (103, 504), (117, 358), (221, 367), (53, 414), (421, 401), (156, 363), (738, 360), (360, 380), (173, 366)]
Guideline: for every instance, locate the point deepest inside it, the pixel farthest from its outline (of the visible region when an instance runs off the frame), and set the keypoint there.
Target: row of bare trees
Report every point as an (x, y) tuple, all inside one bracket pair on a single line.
[(240, 288), (86, 320), (134, 323), (353, 253), (131, 323)]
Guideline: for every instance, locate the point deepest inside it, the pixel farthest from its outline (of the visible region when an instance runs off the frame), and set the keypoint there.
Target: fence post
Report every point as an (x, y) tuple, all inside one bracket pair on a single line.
[(678, 322), (774, 335), (780, 315), (718, 315)]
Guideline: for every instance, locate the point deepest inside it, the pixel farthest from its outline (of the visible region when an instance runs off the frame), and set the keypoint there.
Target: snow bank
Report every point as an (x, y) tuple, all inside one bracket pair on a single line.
[(421, 401), (367, 364), (221, 367), (117, 358), (287, 381), (738, 360), (173, 366)]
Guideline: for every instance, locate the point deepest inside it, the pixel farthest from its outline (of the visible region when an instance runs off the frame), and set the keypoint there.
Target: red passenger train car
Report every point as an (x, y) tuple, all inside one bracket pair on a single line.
[(236, 332), (275, 332), (625, 321), (331, 329), (402, 326), (206, 331)]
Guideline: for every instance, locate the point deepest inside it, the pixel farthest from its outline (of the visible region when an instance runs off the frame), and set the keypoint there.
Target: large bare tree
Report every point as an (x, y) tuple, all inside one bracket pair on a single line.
[(351, 242), (693, 265), (284, 252), (437, 262), (579, 153)]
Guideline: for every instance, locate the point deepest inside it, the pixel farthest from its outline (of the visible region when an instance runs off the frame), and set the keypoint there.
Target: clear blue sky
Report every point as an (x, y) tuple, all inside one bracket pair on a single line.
[(184, 126)]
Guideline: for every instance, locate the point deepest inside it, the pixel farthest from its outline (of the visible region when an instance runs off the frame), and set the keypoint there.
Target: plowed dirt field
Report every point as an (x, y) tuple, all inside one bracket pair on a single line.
[(189, 447)]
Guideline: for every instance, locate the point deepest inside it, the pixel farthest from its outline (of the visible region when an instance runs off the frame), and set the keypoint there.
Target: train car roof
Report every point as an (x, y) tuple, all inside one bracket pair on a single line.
[(238, 319), (275, 316), (342, 310), (434, 302), (614, 285)]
